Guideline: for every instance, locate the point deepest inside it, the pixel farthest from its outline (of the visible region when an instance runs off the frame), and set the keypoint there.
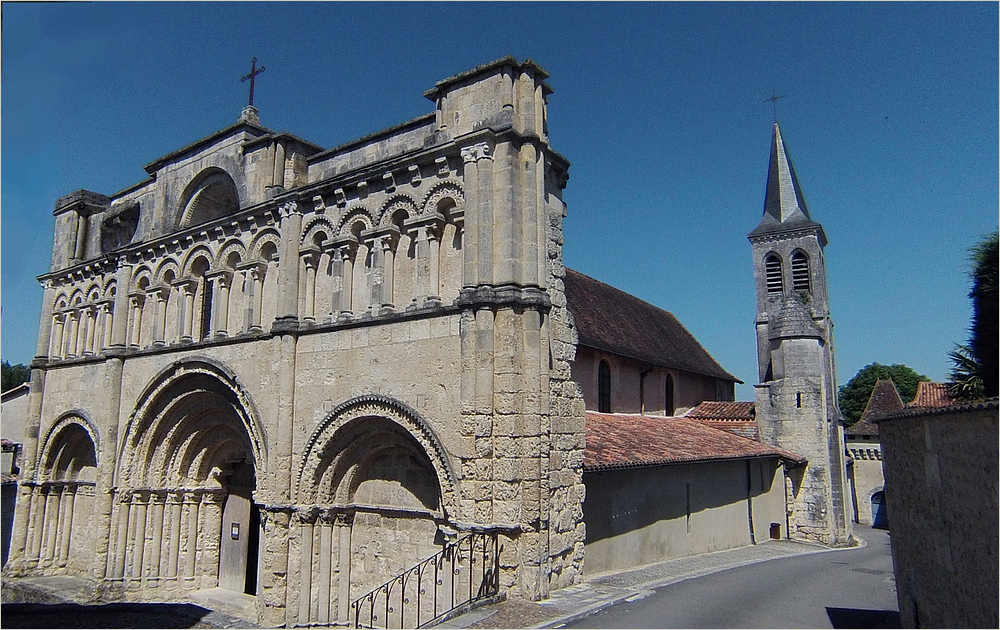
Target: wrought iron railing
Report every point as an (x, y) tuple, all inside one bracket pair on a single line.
[(465, 572)]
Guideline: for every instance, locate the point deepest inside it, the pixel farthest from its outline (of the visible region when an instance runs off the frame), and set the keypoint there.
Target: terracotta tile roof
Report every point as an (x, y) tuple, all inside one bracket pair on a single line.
[(735, 417), (884, 399), (931, 395), (631, 441), (611, 320), (723, 410), (862, 428)]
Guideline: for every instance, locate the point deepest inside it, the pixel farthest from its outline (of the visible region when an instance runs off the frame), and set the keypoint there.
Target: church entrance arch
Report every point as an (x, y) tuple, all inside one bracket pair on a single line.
[(62, 506), (186, 517), (375, 491)]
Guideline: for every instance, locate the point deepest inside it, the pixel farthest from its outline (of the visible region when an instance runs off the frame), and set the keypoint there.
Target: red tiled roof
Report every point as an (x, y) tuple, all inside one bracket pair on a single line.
[(611, 320), (735, 417), (630, 440), (722, 410), (884, 399), (931, 395)]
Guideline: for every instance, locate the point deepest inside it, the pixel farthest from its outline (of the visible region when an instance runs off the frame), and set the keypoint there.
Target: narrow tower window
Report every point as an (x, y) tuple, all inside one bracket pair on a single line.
[(669, 410), (772, 273), (604, 388), (800, 271)]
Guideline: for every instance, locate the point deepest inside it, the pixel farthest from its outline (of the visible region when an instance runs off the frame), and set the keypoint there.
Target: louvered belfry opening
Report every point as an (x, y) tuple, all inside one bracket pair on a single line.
[(800, 271), (772, 273)]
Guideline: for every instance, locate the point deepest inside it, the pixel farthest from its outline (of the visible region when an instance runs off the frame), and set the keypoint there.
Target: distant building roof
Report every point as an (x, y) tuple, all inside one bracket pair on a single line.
[(931, 395), (611, 320), (883, 400), (14, 392), (632, 441), (723, 410), (735, 417)]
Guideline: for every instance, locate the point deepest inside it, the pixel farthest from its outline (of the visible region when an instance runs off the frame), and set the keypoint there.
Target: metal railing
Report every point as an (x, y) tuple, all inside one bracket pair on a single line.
[(463, 573)]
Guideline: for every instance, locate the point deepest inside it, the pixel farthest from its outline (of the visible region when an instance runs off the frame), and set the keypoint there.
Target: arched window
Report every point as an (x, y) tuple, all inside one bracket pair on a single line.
[(800, 271), (772, 273), (669, 391), (604, 388)]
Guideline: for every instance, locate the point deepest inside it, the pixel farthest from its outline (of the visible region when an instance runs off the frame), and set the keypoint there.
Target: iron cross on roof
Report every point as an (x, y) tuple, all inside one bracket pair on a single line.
[(774, 103), (254, 71)]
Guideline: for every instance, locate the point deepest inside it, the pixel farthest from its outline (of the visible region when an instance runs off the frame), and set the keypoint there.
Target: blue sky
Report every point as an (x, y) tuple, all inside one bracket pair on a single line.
[(890, 115)]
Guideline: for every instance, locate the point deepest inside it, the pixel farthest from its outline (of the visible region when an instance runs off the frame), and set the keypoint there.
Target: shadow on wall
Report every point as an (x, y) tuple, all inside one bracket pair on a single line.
[(621, 501), (103, 616), (856, 618)]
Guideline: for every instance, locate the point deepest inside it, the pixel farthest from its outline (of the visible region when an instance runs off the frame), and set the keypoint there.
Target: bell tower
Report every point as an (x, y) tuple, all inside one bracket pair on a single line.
[(796, 398)]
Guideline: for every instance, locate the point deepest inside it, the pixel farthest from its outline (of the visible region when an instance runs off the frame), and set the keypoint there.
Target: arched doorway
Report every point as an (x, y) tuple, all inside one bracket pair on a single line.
[(373, 497), (186, 517), (880, 515), (62, 504)]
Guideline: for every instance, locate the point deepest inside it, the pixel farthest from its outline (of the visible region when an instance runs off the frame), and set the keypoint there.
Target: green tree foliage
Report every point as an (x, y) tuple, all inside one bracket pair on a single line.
[(14, 375), (974, 373), (854, 396)]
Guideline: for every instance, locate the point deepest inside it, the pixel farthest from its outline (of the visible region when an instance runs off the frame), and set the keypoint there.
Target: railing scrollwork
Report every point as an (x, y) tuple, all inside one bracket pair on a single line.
[(463, 573)]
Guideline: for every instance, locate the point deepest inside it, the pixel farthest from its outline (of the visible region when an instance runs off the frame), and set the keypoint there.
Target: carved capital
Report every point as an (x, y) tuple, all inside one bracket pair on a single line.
[(476, 152), (310, 256), (288, 208)]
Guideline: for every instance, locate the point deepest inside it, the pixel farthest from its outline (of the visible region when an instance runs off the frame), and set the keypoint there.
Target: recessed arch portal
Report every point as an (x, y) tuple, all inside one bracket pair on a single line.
[(212, 194), (189, 462)]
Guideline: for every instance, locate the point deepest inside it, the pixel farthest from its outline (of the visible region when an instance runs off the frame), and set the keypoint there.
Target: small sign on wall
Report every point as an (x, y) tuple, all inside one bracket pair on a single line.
[(235, 532)]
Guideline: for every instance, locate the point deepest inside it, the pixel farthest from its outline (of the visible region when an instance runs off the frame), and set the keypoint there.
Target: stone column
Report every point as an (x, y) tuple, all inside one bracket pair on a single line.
[(35, 532), (136, 301), (288, 262), (192, 501), (426, 230), (310, 258), (50, 525), (211, 527), (119, 332), (86, 338), (185, 321), (389, 260), (470, 247), (156, 296), (80, 249), (140, 505), (104, 489), (376, 275), (92, 338), (343, 531), (174, 503), (306, 518), (345, 249), (324, 580), (69, 503), (73, 334), (107, 311), (220, 305), (257, 274), (124, 519), (56, 339)]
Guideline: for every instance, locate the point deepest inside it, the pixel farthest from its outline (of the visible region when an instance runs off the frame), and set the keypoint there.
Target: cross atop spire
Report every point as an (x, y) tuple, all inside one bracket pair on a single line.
[(254, 71)]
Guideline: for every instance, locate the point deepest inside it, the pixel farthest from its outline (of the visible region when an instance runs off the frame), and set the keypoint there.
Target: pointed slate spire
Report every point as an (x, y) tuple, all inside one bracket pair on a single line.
[(784, 205)]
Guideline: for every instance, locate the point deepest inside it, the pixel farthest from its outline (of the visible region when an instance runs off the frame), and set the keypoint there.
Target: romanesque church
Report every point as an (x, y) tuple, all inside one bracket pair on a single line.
[(295, 373)]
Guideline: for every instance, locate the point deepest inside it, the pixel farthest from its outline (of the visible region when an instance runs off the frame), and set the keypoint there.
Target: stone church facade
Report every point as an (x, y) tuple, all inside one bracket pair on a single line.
[(294, 372)]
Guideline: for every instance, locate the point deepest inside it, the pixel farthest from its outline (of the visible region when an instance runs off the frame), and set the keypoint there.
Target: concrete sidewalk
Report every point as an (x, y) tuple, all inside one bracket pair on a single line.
[(607, 589)]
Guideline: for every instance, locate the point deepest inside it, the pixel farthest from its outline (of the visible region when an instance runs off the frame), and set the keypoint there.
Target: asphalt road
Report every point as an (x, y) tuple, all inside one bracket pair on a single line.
[(839, 589)]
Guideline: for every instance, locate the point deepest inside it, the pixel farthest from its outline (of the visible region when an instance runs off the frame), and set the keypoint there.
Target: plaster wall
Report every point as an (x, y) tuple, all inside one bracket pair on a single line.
[(643, 515), (630, 393), (941, 487), (867, 476)]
